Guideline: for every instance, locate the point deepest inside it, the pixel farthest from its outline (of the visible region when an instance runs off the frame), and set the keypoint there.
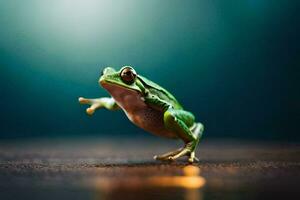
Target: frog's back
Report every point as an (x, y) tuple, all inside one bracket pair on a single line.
[(160, 92)]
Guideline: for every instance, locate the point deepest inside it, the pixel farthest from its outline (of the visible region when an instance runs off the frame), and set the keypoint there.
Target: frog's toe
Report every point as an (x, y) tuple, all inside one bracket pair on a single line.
[(162, 158), (183, 152), (171, 158), (157, 157), (192, 158), (83, 100), (165, 156), (90, 111)]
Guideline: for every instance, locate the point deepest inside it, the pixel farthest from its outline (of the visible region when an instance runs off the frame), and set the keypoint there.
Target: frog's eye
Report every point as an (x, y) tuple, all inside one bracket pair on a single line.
[(128, 75)]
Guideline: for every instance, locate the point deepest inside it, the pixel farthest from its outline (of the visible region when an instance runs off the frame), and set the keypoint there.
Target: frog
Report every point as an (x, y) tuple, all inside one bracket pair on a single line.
[(150, 107)]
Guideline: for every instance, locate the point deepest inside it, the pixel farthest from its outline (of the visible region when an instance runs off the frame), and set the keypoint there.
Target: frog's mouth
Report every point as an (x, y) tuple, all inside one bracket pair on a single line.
[(123, 96), (115, 88)]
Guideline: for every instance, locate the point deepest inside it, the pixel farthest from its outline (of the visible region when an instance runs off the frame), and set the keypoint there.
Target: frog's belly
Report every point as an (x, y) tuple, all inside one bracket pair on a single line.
[(150, 120), (141, 114)]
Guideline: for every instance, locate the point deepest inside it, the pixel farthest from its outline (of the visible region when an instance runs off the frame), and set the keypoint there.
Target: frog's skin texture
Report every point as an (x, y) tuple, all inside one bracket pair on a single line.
[(150, 107)]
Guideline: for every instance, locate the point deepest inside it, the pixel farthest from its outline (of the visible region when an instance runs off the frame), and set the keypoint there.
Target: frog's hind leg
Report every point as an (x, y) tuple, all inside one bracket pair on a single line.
[(182, 123), (197, 130), (190, 147)]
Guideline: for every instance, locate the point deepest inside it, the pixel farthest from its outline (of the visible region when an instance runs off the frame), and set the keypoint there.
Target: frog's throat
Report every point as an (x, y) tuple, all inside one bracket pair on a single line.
[(128, 99), (113, 87)]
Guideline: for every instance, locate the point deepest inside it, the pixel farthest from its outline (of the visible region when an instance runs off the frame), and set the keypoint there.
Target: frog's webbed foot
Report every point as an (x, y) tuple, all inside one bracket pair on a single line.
[(165, 156), (188, 150), (173, 155)]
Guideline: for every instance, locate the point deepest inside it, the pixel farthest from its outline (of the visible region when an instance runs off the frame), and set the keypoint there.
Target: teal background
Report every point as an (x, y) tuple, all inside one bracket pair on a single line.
[(233, 63)]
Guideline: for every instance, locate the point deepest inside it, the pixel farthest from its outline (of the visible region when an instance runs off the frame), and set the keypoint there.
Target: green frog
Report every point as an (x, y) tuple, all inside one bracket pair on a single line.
[(150, 107)]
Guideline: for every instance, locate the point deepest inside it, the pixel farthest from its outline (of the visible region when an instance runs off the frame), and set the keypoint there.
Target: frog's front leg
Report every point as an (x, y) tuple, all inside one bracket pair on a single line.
[(104, 102)]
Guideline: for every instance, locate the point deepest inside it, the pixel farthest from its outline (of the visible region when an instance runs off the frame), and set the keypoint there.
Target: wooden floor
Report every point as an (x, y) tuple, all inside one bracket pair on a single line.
[(98, 168)]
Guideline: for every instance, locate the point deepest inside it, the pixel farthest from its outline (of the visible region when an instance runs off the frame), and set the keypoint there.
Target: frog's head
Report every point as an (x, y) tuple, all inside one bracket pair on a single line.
[(125, 78)]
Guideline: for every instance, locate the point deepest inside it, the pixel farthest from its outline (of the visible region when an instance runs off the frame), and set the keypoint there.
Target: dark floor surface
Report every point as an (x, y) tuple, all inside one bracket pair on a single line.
[(98, 168)]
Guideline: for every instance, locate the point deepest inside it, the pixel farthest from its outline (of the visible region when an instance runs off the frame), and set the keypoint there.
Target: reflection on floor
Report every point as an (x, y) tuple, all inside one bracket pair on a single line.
[(190, 181)]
